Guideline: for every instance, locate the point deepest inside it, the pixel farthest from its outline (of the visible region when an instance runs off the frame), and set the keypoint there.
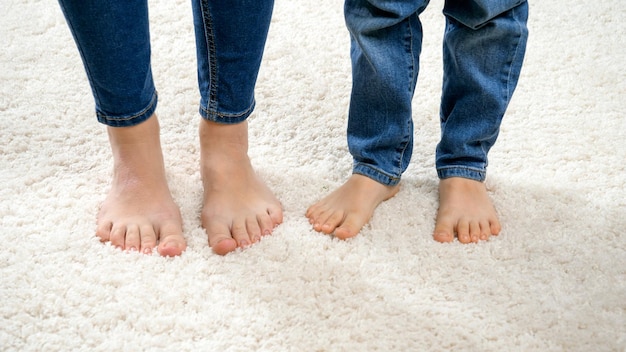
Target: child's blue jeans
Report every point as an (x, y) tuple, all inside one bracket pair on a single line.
[(483, 49), (113, 39)]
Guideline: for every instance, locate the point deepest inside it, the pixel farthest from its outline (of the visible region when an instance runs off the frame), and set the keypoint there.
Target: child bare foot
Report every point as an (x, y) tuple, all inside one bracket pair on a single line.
[(139, 211), (238, 207), (465, 210), (346, 210)]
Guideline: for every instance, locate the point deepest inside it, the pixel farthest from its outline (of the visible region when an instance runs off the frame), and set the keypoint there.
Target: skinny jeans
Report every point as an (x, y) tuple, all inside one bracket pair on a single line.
[(113, 38), (483, 49)]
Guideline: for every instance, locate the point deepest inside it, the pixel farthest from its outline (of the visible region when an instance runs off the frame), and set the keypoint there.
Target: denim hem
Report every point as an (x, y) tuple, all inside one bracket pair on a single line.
[(462, 171), (230, 118), (375, 174), (129, 119)]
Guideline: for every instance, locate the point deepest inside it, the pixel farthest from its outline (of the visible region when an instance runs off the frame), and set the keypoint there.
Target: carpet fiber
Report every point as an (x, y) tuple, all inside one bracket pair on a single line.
[(554, 280)]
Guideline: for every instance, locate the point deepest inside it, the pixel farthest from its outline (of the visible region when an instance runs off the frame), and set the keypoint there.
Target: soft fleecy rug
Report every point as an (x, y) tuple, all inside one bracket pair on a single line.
[(555, 280)]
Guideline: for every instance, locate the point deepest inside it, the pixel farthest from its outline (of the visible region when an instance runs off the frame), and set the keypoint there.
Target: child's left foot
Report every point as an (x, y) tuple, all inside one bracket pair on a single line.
[(466, 211)]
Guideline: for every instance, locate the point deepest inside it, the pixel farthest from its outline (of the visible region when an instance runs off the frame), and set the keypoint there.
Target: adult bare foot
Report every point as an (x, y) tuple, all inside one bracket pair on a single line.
[(346, 210), (465, 210), (238, 207), (139, 211)]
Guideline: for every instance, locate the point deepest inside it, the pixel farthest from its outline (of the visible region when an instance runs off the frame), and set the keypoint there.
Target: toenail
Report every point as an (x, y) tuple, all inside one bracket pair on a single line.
[(171, 244), (244, 243), (147, 251)]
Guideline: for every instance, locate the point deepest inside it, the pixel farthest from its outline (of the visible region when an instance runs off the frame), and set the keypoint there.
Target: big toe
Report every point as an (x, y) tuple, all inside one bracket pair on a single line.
[(172, 247), (220, 238), (444, 231), (224, 246), (443, 236), (172, 243), (276, 214), (350, 227)]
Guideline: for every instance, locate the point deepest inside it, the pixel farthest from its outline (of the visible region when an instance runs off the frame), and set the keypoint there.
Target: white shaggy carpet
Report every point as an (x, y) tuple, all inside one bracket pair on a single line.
[(555, 280)]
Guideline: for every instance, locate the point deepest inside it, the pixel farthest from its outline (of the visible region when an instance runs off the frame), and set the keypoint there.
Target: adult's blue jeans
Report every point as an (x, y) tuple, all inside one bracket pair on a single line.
[(483, 49), (113, 39)]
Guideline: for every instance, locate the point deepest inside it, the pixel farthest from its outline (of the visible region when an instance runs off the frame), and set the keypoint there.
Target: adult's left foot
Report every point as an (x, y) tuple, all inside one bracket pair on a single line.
[(238, 207)]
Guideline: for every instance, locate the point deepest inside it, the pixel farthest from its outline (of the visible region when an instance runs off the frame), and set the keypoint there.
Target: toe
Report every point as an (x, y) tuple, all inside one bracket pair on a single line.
[(474, 231), (171, 248), (463, 231), (220, 238), (276, 214), (132, 241), (171, 240), (103, 231), (148, 239), (444, 231), (443, 235), (265, 224), (351, 225), (319, 219), (311, 212), (240, 233), (485, 231), (332, 222), (224, 245), (317, 216), (254, 229), (495, 227), (347, 230), (118, 236)]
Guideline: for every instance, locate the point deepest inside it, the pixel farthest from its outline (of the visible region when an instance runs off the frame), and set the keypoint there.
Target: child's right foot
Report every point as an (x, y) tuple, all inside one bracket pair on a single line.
[(345, 211), (139, 211)]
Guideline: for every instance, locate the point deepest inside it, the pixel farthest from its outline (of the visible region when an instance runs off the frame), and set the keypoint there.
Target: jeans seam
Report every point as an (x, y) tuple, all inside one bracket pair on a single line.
[(404, 144), (464, 167), (210, 43), (206, 112), (520, 30)]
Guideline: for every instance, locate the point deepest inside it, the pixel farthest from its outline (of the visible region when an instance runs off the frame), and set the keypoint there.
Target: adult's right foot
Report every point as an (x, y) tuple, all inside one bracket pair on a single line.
[(139, 213)]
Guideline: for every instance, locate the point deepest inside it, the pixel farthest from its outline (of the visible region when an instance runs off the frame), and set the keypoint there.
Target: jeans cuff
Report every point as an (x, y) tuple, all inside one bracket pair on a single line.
[(129, 120), (226, 118), (375, 174), (462, 171)]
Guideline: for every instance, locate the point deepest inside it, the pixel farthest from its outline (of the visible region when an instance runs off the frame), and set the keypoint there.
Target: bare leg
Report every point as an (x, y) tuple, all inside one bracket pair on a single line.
[(465, 210), (238, 207), (139, 210), (346, 210)]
